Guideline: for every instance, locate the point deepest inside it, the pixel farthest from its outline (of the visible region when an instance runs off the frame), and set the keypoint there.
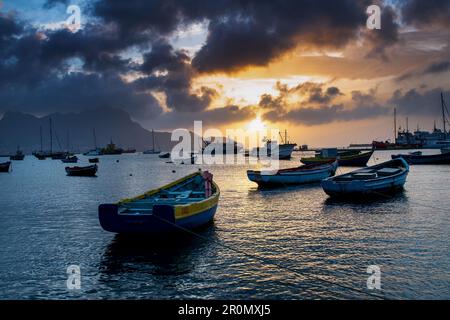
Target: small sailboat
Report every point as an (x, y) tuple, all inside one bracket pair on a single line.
[(96, 151), (187, 203), (73, 159), (293, 176), (88, 171), (350, 159), (415, 158), (94, 160), (153, 150), (384, 178), (4, 166)]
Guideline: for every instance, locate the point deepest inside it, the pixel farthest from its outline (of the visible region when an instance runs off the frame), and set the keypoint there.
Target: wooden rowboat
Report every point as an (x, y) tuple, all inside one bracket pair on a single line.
[(353, 160), (293, 176), (88, 171), (187, 203), (4, 167), (384, 178), (441, 158)]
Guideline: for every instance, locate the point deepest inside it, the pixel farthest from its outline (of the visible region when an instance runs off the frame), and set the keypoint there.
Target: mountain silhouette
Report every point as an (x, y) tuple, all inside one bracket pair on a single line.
[(74, 131)]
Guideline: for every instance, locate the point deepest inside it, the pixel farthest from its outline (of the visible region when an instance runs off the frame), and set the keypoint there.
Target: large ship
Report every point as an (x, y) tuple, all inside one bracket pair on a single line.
[(437, 139), (404, 138)]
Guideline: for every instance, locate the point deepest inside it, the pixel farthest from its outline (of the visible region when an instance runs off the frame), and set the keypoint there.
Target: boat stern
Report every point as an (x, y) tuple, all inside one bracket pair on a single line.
[(160, 220)]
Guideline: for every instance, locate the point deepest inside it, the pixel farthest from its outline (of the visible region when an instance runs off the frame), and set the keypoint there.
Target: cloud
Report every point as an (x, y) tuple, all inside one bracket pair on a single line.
[(326, 114), (211, 118), (388, 35), (311, 103), (305, 93), (250, 32), (414, 102), (433, 68), (79, 91), (427, 13), (169, 70), (257, 32)]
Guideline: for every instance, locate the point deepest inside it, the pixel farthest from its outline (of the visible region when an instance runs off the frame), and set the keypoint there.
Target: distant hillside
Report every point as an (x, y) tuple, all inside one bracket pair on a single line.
[(76, 130)]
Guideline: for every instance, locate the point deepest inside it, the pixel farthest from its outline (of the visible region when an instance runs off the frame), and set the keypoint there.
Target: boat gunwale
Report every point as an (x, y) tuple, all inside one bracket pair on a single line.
[(352, 157), (181, 210), (315, 168)]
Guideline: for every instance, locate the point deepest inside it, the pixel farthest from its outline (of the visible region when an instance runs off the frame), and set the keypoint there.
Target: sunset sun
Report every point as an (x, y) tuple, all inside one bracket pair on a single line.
[(256, 125)]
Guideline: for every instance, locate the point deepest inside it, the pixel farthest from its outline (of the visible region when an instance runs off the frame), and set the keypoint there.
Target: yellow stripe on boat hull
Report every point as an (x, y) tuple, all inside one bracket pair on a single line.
[(184, 211)]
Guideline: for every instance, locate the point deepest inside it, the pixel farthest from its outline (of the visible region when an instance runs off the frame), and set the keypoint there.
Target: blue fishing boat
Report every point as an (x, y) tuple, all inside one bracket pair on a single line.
[(4, 167), (416, 158), (187, 203), (384, 178)]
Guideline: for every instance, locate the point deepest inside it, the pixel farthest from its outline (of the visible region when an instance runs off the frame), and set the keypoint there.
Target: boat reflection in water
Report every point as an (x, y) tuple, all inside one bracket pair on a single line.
[(143, 255)]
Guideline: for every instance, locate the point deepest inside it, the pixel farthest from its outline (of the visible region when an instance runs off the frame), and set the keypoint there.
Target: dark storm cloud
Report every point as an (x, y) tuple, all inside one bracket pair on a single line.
[(257, 32), (245, 33), (415, 102), (174, 78), (433, 68), (438, 67), (78, 91), (426, 13), (388, 35)]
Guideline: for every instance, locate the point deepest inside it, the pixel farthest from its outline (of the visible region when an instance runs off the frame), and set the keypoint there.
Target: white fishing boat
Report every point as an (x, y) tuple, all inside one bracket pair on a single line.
[(282, 151), (294, 176), (384, 178)]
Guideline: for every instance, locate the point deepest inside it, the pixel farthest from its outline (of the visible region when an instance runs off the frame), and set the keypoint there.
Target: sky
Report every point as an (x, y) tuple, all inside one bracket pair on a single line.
[(311, 67)]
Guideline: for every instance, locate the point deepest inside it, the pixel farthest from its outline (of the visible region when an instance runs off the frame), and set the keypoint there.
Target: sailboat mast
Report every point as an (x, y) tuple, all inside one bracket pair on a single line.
[(51, 136), (95, 139), (153, 140), (395, 125), (443, 115), (40, 134)]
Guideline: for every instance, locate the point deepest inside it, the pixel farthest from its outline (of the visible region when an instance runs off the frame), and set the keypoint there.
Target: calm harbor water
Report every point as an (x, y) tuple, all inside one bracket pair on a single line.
[(49, 221)]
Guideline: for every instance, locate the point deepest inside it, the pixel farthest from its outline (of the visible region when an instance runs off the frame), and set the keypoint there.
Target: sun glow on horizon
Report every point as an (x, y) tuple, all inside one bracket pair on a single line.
[(256, 125)]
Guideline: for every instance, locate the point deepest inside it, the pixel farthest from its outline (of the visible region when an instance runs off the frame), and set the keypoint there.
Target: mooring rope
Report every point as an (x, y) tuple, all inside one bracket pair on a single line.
[(266, 261)]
